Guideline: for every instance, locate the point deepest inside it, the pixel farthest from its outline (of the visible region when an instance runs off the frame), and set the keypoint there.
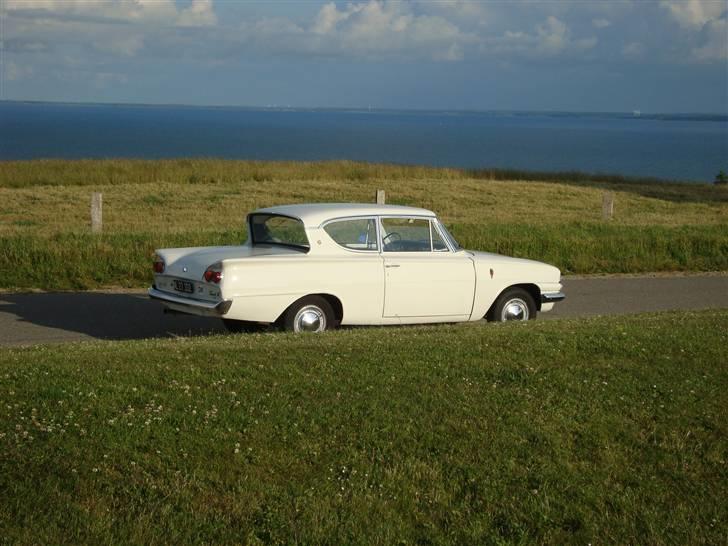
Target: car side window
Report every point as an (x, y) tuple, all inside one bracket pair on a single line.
[(406, 235), (354, 234)]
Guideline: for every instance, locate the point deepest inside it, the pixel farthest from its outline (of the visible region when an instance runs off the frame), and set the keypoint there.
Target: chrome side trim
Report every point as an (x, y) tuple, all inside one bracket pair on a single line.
[(194, 306), (551, 297)]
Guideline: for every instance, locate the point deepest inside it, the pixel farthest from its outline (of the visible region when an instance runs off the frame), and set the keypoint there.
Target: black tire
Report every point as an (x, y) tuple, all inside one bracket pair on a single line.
[(513, 302), (309, 314), (240, 326)]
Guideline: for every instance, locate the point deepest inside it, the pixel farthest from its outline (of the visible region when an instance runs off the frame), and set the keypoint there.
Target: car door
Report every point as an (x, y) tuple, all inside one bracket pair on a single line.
[(356, 276), (423, 276)]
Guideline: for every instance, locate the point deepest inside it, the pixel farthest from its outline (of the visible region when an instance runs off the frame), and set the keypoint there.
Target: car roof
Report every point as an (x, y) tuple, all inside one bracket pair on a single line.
[(315, 214)]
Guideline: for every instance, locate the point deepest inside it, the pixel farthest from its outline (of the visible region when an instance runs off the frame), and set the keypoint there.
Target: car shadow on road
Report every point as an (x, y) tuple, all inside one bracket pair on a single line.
[(37, 318)]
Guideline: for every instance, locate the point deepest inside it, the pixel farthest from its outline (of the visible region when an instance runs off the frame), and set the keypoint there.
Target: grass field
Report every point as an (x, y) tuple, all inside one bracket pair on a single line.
[(44, 214), (597, 431)]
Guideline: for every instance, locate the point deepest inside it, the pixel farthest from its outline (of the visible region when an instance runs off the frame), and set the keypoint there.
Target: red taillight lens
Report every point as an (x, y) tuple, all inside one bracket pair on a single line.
[(158, 265), (213, 276), (213, 273)]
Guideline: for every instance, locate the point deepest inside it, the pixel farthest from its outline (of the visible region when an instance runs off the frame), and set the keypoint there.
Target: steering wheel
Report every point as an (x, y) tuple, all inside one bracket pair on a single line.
[(391, 234)]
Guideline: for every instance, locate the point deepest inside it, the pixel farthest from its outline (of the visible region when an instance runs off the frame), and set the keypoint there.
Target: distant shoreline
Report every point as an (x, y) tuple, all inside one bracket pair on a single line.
[(665, 116)]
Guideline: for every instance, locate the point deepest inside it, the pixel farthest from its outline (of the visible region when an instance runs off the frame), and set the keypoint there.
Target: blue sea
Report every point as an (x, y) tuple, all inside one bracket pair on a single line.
[(675, 147)]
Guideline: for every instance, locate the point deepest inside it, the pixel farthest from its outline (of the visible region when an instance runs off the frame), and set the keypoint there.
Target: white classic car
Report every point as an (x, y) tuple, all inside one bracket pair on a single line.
[(316, 266)]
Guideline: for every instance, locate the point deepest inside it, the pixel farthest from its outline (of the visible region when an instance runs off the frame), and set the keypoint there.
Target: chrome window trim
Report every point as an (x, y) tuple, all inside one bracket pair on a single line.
[(434, 225), (433, 220), (446, 236)]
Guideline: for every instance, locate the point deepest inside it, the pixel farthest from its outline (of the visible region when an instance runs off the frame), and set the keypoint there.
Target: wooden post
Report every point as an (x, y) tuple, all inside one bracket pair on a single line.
[(96, 212), (380, 197), (607, 205)]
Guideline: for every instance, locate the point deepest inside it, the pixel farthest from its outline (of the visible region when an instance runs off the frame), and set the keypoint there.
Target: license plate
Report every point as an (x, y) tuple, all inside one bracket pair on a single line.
[(184, 286)]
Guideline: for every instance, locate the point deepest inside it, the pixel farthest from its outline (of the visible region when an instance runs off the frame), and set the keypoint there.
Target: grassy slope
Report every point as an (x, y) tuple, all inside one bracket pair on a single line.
[(608, 430), (152, 204)]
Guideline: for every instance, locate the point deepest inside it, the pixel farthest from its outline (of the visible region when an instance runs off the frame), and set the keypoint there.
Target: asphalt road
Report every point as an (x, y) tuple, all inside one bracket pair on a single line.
[(28, 319)]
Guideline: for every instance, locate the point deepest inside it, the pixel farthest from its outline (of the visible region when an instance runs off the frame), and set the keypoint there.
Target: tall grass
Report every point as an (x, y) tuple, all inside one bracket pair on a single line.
[(52, 172), (44, 214), (82, 261)]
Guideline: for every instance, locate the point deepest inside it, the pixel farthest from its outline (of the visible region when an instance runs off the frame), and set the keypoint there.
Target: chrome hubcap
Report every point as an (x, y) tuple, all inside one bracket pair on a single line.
[(515, 309), (309, 319)]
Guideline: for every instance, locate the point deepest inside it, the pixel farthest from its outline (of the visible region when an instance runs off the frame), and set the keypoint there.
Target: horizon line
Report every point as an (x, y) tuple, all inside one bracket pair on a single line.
[(636, 113)]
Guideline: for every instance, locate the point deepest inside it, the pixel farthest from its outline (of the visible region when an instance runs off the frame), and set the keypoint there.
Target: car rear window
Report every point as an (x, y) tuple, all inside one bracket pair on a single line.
[(273, 229)]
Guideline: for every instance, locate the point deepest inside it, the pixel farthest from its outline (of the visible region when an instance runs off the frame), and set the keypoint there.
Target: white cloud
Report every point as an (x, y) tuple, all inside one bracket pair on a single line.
[(467, 12), (633, 50), (125, 10), (50, 5), (15, 72), (327, 19), (694, 13), (120, 35), (453, 53), (553, 35), (376, 29), (551, 38), (126, 46), (199, 14), (707, 21), (715, 41)]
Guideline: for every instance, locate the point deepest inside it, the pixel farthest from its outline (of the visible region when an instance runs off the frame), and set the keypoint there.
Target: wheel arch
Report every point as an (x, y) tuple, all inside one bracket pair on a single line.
[(533, 290), (333, 300)]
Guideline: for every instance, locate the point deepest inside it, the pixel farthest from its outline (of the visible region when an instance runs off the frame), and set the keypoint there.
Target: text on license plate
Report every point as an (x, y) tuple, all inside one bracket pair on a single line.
[(184, 286)]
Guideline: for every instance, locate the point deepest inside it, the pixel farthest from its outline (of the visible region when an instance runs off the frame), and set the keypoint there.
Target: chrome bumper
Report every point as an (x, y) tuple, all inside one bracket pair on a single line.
[(189, 305), (552, 297)]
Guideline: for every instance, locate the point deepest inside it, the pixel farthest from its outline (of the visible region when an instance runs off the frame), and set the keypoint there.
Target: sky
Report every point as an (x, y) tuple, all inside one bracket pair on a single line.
[(609, 56)]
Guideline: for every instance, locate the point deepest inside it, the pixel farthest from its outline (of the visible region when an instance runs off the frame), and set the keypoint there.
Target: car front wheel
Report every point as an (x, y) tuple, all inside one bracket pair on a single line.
[(513, 304), (309, 314)]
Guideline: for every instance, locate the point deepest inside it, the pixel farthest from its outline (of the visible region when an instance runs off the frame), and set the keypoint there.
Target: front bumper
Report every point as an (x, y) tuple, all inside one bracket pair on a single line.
[(552, 297), (189, 305)]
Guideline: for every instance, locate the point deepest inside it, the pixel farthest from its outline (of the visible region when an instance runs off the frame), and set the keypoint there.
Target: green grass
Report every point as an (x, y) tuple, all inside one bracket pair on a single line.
[(73, 261), (51, 172), (608, 430), (44, 214)]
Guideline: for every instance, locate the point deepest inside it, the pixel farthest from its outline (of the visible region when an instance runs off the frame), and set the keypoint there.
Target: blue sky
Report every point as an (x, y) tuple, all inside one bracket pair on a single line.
[(653, 56)]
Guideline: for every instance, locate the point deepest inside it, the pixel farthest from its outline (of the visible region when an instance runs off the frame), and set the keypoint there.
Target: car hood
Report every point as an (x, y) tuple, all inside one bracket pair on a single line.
[(542, 271)]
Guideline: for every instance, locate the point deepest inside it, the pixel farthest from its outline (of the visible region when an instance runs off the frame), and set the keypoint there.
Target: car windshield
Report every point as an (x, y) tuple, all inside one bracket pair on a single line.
[(273, 229)]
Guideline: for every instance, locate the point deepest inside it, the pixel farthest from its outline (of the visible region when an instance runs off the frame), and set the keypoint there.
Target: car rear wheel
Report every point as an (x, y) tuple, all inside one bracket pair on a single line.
[(513, 304), (309, 314)]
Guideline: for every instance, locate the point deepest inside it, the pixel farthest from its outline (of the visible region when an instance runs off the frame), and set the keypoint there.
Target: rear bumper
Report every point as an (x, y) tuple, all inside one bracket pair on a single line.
[(189, 305), (552, 297)]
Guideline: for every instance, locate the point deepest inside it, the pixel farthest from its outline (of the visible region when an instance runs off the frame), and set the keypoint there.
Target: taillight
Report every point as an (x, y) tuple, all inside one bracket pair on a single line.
[(158, 264), (213, 273)]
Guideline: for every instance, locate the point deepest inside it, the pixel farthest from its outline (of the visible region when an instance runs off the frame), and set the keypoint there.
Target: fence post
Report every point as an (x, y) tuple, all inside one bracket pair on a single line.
[(380, 199), (607, 205), (96, 212)]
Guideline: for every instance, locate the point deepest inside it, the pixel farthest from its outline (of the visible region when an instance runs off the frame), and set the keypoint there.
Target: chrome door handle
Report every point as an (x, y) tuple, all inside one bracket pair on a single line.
[(391, 265)]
